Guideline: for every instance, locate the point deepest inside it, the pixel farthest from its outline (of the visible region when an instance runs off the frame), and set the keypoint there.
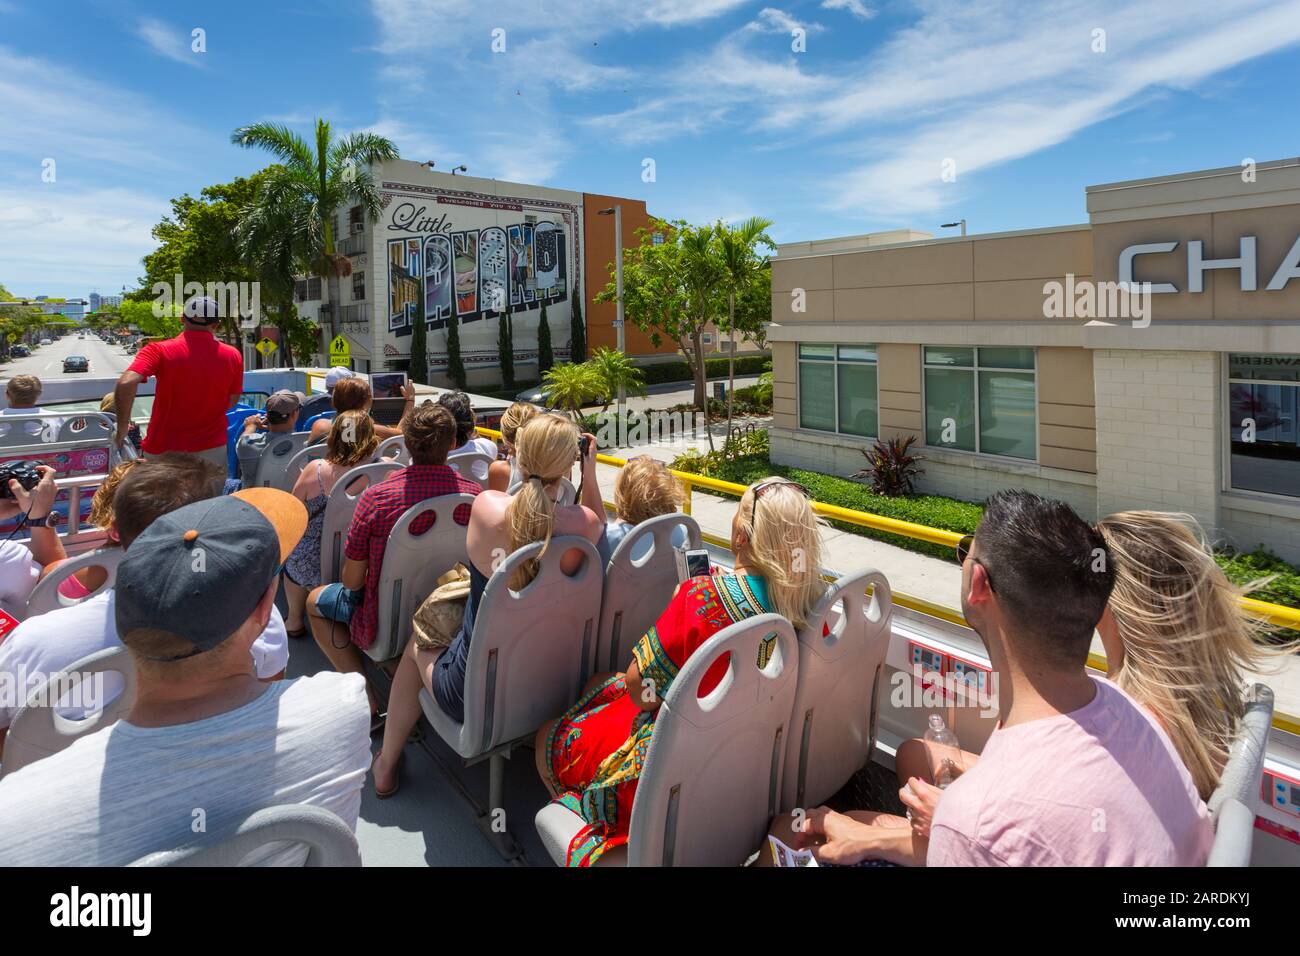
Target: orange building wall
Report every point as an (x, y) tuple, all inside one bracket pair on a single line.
[(598, 254)]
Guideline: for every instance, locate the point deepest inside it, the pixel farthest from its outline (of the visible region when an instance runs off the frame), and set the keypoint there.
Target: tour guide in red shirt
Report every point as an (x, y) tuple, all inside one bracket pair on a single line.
[(199, 380)]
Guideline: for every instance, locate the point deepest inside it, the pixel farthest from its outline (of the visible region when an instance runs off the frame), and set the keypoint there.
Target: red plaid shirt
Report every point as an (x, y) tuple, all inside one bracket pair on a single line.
[(377, 511)]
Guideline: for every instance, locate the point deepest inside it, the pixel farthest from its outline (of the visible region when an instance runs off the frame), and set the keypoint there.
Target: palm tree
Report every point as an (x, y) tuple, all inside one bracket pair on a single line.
[(738, 253), (613, 368), (267, 238), (572, 386), (314, 184)]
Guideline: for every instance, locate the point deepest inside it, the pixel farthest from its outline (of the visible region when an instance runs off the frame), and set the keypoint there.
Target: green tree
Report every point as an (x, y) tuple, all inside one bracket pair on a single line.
[(418, 370), (455, 367), (570, 386), (742, 265), (505, 351), (320, 178), (545, 359), (577, 331), (612, 369), (154, 319)]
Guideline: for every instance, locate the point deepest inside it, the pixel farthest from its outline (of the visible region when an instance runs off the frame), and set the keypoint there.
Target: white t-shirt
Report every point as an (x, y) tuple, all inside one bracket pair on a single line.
[(51, 642), (127, 791), (19, 573), (46, 430)]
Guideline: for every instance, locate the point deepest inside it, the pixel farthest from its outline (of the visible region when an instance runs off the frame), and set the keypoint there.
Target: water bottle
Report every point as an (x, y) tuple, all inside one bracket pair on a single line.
[(945, 753)]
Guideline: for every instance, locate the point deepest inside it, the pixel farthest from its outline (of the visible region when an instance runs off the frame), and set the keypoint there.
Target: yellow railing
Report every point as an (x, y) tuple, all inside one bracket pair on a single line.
[(1273, 613)]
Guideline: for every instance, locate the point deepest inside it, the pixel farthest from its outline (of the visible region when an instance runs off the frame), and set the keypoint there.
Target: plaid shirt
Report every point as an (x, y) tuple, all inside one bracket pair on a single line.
[(377, 512)]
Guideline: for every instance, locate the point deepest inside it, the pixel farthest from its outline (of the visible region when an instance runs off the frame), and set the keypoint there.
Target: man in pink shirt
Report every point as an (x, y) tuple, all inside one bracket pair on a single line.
[(1076, 773)]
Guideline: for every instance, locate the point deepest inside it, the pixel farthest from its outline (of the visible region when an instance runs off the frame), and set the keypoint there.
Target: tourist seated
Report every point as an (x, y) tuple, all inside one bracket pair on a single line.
[(344, 616), (205, 743), (467, 436), (352, 442), (500, 524), (644, 489), (23, 564), (591, 758), (50, 642), (320, 404), (108, 405), (23, 393), (353, 394), (504, 474), (280, 419), (1078, 772)]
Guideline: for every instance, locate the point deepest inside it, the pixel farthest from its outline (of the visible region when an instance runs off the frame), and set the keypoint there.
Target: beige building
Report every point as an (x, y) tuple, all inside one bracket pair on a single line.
[(1016, 361)]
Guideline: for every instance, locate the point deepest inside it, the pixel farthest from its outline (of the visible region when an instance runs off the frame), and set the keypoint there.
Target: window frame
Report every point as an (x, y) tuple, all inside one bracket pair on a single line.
[(835, 362), (975, 368), (1225, 429)]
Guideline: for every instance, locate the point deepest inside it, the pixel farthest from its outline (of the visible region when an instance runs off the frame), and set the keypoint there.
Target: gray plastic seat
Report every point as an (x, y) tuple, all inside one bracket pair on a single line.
[(712, 776), (329, 841), (393, 449), (469, 464), (277, 454), (1232, 803), (39, 730), (340, 508), (46, 597), (297, 463), (411, 568), (833, 724), (568, 493), (638, 590), (97, 425), (1234, 834)]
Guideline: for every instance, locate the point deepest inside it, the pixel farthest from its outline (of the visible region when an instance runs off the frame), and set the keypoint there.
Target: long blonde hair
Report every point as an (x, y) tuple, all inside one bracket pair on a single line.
[(1188, 642), (516, 417), (785, 547), (547, 447)]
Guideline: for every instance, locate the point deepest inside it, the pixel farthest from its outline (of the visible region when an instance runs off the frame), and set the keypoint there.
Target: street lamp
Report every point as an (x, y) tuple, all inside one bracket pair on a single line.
[(951, 225), (459, 169), (617, 212)]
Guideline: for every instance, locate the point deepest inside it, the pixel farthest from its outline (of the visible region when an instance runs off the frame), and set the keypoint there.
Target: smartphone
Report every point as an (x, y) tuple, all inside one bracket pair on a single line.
[(692, 564)]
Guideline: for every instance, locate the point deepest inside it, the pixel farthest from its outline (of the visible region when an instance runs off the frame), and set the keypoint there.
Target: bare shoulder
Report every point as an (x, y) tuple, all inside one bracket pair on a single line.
[(575, 519)]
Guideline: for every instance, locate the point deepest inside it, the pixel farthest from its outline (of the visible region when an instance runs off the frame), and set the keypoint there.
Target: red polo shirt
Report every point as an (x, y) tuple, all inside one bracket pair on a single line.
[(196, 377)]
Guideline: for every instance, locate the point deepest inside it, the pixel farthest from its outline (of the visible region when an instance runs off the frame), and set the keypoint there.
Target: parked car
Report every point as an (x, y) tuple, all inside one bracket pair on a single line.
[(20, 351), (76, 363), (46, 342)]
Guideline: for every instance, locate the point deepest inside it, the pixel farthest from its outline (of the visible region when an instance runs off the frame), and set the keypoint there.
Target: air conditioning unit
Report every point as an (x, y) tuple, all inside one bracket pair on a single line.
[(358, 227)]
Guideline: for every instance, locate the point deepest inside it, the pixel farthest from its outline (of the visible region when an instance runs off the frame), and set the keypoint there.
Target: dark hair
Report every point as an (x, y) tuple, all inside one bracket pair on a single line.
[(430, 433), (1050, 571), (157, 486), (349, 394), (458, 404)]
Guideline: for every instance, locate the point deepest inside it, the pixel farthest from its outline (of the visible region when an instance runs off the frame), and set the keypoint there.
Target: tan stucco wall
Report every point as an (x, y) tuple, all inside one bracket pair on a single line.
[(1067, 419)]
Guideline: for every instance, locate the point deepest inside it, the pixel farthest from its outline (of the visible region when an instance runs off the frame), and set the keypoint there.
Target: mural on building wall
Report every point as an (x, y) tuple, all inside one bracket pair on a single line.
[(404, 269), (437, 280)]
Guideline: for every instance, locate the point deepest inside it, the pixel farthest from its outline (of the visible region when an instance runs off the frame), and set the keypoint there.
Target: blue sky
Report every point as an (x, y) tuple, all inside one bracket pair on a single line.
[(848, 135)]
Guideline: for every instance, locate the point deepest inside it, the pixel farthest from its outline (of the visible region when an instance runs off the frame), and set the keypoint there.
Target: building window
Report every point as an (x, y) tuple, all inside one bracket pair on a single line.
[(1263, 411), (358, 286), (981, 400), (356, 219), (838, 389)]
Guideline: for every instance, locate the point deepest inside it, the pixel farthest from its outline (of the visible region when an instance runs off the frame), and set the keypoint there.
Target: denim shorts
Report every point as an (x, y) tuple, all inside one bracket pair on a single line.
[(337, 603)]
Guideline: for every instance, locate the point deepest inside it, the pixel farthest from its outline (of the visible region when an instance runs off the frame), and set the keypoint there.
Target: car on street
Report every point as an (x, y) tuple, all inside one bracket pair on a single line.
[(46, 342), (20, 351), (76, 363)]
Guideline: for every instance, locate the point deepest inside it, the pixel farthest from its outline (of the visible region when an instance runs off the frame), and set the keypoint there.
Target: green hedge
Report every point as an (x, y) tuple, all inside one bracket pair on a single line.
[(662, 372)]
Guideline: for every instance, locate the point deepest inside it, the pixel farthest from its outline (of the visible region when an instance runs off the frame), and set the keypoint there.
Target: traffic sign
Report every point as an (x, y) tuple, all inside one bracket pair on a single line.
[(340, 352), (266, 347)]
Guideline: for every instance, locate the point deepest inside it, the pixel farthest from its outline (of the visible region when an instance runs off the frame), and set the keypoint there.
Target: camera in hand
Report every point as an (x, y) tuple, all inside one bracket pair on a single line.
[(23, 471), (583, 444)]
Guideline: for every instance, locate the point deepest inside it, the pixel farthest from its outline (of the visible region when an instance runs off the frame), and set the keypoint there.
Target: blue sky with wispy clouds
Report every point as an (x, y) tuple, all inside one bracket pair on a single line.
[(849, 135)]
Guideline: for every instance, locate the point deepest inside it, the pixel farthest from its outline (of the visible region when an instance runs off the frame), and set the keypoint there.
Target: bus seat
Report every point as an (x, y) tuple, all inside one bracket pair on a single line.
[(101, 426), (472, 465), (412, 565), (234, 428), (329, 841), (638, 590), (712, 776), (322, 417), (339, 509), (39, 730), (46, 597), (833, 724), (568, 493), (1234, 834), (1240, 779), (296, 464), (275, 460), (393, 449)]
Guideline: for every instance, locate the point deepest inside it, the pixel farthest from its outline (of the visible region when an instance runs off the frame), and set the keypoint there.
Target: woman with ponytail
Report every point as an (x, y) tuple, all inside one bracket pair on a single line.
[(499, 525), (591, 757)]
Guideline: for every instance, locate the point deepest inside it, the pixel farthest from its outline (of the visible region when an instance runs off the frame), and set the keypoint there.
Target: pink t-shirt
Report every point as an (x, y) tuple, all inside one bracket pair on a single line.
[(1100, 786)]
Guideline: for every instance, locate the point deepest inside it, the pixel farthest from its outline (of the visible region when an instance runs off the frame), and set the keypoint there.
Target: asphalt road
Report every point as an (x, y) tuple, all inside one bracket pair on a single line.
[(46, 362)]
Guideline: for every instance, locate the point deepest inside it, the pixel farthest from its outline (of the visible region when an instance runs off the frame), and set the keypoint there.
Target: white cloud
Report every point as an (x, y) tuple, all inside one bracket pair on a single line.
[(772, 20), (856, 7), (168, 41)]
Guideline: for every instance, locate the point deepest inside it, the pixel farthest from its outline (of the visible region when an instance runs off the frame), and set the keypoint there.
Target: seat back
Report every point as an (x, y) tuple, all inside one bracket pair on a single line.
[(339, 509), (393, 449), (1234, 834), (46, 597), (297, 463), (39, 730), (235, 419), (472, 465), (275, 460), (100, 425), (712, 776), (833, 724), (637, 591), (531, 650), (568, 494), (329, 841), (412, 565), (1240, 779)]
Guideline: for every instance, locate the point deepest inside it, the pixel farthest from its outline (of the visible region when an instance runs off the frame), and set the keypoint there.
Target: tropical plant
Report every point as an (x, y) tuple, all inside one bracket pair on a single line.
[(505, 351), (570, 386), (613, 369), (545, 357), (893, 470), (455, 367), (577, 331), (418, 368), (741, 265), (315, 181)]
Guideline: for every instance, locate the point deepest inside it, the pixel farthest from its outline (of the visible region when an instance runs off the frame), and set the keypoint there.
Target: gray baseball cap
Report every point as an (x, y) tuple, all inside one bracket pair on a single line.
[(198, 572)]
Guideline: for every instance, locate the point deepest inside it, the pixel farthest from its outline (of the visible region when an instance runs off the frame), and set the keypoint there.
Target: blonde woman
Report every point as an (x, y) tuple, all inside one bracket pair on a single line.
[(499, 525), (592, 757), (505, 473), (644, 489), (84, 582), (352, 441)]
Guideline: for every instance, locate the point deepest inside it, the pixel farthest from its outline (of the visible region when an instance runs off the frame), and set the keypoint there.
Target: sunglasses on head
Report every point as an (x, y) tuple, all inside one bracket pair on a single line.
[(766, 485)]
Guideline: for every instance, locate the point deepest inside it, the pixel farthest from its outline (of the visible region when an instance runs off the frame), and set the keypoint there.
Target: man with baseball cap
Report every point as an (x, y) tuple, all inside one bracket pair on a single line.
[(199, 380), (205, 741), (320, 404), (280, 419)]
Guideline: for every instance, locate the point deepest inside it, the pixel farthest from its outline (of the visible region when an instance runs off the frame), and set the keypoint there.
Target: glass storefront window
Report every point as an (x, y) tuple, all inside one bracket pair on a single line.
[(838, 389), (1264, 423), (982, 400)]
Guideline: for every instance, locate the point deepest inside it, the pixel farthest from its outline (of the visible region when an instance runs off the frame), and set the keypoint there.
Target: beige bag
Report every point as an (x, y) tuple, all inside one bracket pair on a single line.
[(437, 620)]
